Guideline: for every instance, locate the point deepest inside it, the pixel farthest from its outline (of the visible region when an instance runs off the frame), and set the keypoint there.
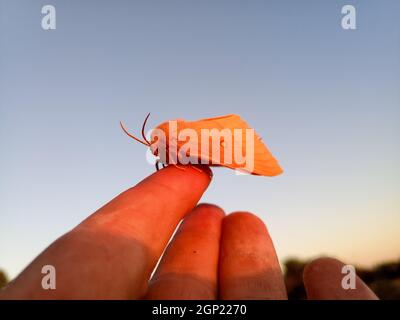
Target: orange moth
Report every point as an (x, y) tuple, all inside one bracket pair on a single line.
[(226, 141)]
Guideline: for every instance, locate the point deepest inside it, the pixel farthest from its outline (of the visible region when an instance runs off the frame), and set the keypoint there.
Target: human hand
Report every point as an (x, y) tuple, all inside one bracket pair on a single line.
[(111, 254)]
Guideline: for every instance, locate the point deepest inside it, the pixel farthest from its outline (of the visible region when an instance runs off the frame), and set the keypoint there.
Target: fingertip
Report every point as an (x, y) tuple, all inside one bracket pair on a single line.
[(197, 172), (324, 277), (245, 219), (205, 218), (319, 265), (207, 209), (181, 179), (196, 169), (203, 168), (243, 215)]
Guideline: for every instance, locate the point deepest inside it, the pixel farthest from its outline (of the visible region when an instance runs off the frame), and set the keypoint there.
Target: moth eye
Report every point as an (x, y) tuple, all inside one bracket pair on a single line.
[(223, 144), (187, 154)]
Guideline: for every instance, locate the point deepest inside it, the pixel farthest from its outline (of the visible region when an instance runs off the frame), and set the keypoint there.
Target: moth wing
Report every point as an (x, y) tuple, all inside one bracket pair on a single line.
[(264, 162)]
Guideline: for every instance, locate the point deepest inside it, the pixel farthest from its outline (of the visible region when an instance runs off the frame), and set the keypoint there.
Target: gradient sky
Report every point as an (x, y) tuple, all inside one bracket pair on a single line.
[(325, 100)]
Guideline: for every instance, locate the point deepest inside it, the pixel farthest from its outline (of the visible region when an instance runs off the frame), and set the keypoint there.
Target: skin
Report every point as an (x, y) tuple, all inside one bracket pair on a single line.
[(112, 254)]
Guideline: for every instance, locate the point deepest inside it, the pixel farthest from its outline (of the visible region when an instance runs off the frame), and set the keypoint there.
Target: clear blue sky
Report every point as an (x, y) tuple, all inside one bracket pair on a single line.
[(325, 100)]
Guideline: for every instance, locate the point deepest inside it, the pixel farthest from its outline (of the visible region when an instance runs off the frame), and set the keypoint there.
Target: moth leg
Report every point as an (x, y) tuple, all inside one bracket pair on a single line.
[(197, 169), (158, 162), (180, 168)]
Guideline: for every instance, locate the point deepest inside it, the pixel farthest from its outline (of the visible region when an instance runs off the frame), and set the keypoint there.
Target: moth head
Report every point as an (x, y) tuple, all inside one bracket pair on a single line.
[(159, 139), (164, 138)]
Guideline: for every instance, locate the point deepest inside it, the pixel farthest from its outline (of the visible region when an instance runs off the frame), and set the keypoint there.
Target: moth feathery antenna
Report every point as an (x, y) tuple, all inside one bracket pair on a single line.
[(143, 127), (132, 136)]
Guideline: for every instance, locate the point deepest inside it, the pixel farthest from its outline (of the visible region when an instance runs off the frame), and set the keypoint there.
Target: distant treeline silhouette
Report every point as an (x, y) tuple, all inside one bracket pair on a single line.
[(3, 279), (383, 279)]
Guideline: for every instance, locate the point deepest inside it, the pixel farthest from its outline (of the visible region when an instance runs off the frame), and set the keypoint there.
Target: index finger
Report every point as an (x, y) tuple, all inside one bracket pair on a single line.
[(151, 210), (112, 253)]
